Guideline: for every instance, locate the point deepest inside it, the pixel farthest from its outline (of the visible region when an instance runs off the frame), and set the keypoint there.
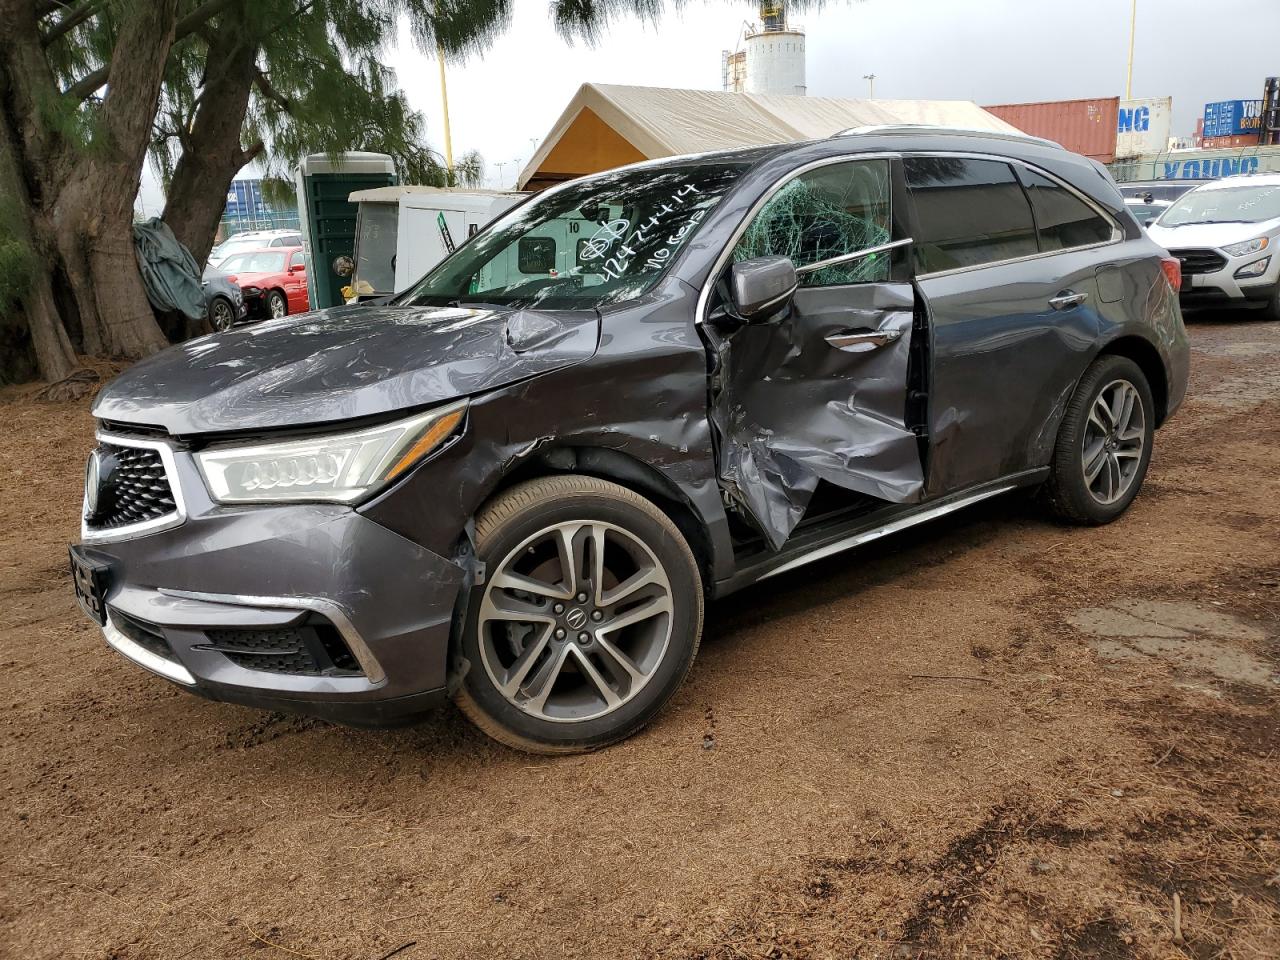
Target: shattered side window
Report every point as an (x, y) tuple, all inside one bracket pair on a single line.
[(828, 212)]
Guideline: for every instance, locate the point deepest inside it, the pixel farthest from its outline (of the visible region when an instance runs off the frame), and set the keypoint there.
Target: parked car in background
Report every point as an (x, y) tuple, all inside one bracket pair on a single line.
[(1225, 235), (224, 300), (1146, 208), (273, 280), (253, 240), (1158, 189), (518, 482)]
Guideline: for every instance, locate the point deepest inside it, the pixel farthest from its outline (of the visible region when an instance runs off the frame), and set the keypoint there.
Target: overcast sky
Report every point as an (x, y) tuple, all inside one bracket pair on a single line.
[(990, 51)]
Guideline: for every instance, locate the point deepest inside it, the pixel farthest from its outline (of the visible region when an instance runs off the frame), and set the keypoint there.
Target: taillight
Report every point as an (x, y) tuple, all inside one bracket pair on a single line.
[(1173, 271)]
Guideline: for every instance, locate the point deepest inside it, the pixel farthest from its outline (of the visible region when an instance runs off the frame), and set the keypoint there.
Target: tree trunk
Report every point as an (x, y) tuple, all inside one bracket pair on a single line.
[(54, 356), (211, 152), (76, 201)]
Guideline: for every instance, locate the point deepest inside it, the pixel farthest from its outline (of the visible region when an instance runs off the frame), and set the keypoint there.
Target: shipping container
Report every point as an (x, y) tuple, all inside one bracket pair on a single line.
[(1082, 126), (1240, 140), (1231, 118), (1144, 126), (1270, 127)]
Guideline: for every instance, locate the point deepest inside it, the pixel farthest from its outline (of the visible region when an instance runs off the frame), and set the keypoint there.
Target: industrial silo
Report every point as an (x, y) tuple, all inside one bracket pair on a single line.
[(772, 60)]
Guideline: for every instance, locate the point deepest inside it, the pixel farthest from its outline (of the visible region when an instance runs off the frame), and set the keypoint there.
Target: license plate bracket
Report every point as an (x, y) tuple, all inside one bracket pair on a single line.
[(90, 578)]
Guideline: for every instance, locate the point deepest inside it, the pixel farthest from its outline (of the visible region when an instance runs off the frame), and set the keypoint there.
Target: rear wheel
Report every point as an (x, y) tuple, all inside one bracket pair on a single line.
[(588, 620), (221, 314), (1104, 443), (277, 305)]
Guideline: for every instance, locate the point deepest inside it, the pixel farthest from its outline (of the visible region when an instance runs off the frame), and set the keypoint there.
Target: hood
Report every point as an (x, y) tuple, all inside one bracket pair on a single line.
[(253, 278), (342, 363), (1210, 234)]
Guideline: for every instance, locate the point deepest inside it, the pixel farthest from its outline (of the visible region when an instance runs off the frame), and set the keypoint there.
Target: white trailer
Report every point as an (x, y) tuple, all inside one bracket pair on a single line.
[(402, 232)]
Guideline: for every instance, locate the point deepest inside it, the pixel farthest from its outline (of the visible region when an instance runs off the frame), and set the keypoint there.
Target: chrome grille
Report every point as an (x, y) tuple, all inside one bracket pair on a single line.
[(134, 488)]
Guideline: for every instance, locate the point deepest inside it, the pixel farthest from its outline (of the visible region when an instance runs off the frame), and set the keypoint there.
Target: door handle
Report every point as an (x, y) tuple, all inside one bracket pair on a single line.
[(1068, 299), (862, 341)]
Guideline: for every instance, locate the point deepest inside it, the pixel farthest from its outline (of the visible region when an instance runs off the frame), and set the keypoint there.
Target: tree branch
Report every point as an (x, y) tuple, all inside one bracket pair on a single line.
[(254, 151), (91, 82), (267, 90), (71, 21)]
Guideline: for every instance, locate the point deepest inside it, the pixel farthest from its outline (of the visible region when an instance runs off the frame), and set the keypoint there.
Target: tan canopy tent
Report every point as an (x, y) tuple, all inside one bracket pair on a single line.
[(606, 126)]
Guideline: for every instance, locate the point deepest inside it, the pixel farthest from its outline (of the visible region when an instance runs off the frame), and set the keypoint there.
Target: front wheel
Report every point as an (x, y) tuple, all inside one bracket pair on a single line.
[(588, 620), (277, 305), (1104, 443), (221, 315)]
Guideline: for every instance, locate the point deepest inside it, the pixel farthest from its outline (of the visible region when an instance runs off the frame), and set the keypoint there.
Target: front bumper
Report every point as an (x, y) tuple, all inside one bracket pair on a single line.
[(171, 592), (1222, 288)]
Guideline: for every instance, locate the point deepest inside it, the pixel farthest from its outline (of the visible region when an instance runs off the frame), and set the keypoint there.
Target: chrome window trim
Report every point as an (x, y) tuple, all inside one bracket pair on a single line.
[(146, 527), (709, 284), (143, 657), (849, 257), (326, 608), (1117, 232)]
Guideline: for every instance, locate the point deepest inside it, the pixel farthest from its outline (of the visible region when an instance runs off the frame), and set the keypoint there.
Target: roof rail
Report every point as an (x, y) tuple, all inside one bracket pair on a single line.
[(948, 131)]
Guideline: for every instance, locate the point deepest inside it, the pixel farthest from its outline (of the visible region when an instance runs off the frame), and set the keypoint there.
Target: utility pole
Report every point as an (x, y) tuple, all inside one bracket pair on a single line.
[(1133, 31), (501, 182), (871, 85)]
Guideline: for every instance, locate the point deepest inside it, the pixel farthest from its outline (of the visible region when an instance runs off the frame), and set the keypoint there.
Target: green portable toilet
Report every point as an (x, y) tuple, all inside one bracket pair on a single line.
[(328, 218)]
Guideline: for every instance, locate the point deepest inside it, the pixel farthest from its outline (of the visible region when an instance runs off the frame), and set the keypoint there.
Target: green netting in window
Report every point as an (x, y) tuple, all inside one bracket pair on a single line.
[(827, 213)]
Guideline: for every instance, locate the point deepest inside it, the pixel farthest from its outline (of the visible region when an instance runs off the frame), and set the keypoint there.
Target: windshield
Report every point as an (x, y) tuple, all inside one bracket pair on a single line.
[(259, 262), (234, 245), (1244, 204), (603, 240)]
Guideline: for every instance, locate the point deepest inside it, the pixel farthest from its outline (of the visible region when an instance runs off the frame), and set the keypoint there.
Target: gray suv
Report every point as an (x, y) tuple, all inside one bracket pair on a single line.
[(517, 483)]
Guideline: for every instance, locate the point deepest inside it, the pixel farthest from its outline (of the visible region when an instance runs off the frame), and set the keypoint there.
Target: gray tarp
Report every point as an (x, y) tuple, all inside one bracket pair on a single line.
[(169, 272)]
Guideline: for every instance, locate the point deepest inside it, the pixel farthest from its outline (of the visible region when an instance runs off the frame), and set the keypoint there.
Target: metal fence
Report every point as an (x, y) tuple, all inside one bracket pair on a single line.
[(270, 220)]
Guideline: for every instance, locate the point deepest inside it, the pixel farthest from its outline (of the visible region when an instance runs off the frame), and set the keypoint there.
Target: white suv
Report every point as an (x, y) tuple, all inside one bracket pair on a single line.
[(253, 240), (1226, 234)]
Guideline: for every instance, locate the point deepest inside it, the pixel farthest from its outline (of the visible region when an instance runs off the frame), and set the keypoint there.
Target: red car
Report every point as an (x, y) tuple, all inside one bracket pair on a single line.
[(273, 281)]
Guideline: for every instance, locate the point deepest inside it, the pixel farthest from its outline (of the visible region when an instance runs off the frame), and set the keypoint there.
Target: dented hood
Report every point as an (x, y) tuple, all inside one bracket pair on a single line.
[(342, 363)]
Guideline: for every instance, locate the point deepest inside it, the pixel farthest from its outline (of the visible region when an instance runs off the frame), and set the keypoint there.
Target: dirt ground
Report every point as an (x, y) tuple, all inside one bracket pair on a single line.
[(991, 737)]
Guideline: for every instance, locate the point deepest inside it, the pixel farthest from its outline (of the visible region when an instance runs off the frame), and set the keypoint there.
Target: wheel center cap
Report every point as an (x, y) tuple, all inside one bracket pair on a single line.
[(576, 618)]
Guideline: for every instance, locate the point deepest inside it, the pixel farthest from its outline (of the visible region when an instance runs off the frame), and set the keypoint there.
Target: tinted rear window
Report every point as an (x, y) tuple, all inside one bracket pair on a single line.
[(969, 212), (1063, 218)]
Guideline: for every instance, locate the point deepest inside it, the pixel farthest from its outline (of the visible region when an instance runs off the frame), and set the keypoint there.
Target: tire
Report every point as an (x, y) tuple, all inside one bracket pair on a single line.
[(1079, 489), (221, 314), (647, 607), (1273, 308), (277, 305)]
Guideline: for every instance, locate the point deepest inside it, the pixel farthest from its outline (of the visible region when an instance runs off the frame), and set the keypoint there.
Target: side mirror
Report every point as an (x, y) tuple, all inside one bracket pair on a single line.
[(297, 268), (759, 288)]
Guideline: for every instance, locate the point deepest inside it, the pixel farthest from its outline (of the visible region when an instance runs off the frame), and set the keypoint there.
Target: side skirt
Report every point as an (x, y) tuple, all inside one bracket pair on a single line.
[(824, 542)]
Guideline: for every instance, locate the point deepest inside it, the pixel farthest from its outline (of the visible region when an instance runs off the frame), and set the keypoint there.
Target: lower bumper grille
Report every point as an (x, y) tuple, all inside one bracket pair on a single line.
[(1199, 261), (146, 635), (311, 650)]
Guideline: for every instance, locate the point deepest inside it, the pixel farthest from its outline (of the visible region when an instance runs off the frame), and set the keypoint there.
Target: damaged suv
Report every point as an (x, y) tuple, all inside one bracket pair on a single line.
[(518, 482)]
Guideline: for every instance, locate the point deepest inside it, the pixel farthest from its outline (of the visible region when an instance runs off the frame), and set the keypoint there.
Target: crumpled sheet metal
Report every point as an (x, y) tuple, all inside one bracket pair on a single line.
[(791, 410)]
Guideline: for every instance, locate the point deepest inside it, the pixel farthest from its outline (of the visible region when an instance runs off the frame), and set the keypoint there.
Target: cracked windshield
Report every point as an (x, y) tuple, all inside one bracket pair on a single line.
[(603, 241)]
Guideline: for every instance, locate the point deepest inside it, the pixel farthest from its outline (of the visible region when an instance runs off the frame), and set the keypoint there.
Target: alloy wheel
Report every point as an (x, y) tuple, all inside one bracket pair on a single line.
[(278, 307), (222, 316), (575, 621), (1114, 439)]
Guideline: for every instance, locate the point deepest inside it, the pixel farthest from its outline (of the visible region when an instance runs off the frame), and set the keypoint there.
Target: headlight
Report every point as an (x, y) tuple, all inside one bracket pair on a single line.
[(251, 291), (1248, 247), (340, 468), (1255, 269)]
